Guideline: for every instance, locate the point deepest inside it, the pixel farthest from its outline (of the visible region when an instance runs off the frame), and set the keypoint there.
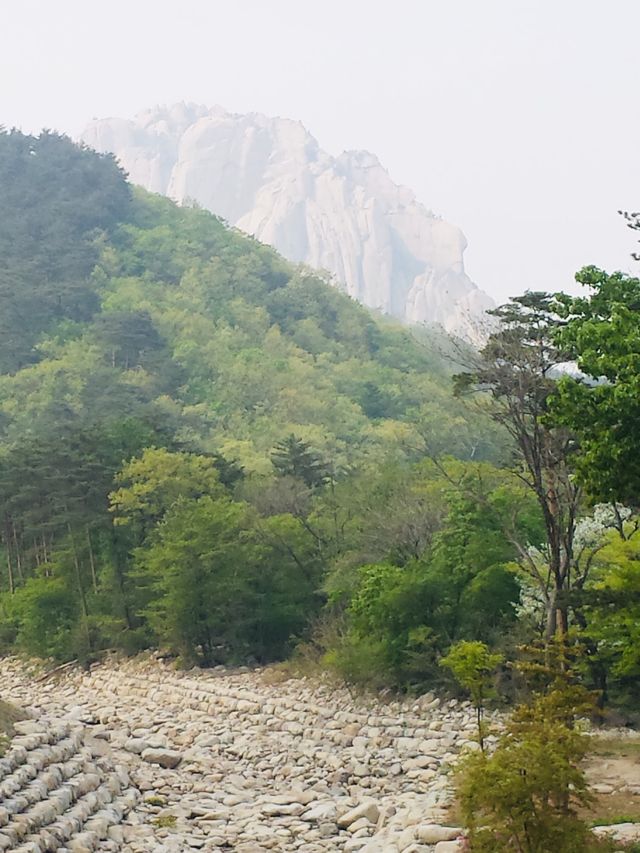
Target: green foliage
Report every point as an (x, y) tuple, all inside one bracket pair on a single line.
[(473, 666), (515, 369), (153, 482), (525, 795), (206, 447), (611, 605), (44, 611), (57, 202), (362, 661), (220, 589), (157, 367), (457, 588), (200, 601), (295, 458), (602, 334)]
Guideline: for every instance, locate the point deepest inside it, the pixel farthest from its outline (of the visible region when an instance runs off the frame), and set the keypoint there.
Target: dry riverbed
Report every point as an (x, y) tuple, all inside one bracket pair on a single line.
[(136, 756)]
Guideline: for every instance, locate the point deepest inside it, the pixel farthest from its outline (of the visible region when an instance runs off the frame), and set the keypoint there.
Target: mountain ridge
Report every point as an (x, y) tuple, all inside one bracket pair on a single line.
[(270, 178)]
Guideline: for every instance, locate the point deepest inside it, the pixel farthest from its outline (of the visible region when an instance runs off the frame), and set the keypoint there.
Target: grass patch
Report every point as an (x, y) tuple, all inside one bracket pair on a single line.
[(167, 821), (616, 747), (614, 819), (299, 665), (614, 808)]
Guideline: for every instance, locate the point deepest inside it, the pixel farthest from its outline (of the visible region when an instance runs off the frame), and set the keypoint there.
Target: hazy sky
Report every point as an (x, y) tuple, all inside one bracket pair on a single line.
[(518, 120)]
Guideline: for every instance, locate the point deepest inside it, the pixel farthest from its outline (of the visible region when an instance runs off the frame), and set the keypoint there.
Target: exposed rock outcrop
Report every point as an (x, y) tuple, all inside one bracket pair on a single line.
[(270, 178)]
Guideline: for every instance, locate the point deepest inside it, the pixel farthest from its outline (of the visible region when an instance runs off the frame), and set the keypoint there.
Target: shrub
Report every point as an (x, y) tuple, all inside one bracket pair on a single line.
[(363, 662), (525, 796)]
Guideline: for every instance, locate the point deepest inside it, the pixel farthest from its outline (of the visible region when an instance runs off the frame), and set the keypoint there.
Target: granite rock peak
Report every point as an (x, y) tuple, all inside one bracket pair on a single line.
[(270, 178)]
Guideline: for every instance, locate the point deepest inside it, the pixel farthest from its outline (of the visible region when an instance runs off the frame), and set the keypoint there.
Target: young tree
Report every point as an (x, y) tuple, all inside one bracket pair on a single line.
[(516, 369), (196, 568), (611, 603), (150, 484), (525, 795), (473, 666), (225, 585), (295, 458)]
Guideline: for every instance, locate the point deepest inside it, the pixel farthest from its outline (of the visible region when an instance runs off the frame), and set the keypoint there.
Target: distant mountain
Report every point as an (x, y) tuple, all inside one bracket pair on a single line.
[(269, 178)]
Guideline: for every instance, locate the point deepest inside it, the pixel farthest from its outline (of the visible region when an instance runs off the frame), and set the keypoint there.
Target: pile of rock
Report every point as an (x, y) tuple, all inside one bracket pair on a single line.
[(228, 760), (139, 757), (58, 792)]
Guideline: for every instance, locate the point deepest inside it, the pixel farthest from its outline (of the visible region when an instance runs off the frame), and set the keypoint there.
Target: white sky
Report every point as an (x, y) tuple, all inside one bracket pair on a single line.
[(518, 120)]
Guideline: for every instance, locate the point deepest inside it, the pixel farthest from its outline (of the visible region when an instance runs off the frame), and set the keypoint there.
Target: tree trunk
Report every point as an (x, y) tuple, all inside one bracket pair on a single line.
[(7, 542), (81, 592), (119, 574), (92, 561), (10, 571), (18, 556), (562, 623), (552, 617)]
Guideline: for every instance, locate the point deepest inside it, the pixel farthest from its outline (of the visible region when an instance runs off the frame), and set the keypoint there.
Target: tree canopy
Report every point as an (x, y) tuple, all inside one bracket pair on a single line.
[(601, 333)]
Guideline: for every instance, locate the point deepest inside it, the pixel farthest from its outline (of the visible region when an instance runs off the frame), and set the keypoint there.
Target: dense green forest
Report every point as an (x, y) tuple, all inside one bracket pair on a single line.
[(205, 448), (161, 372)]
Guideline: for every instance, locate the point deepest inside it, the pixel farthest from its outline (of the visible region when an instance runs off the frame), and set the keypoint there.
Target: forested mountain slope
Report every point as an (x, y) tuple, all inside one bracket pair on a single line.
[(133, 329), (117, 302)]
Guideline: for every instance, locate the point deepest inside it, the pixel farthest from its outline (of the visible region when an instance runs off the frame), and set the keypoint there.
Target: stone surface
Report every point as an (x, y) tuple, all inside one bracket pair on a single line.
[(603, 788), (432, 833), (294, 765), (367, 810), (269, 177), (257, 766), (164, 757), (57, 792), (623, 833)]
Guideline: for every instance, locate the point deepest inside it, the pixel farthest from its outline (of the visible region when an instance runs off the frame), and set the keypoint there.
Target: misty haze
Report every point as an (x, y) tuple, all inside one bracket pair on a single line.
[(319, 427)]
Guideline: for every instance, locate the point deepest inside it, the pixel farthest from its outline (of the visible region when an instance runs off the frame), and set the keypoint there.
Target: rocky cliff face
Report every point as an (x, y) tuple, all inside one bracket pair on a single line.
[(269, 177)]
